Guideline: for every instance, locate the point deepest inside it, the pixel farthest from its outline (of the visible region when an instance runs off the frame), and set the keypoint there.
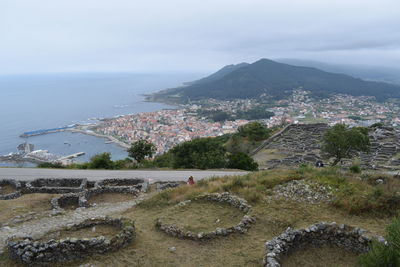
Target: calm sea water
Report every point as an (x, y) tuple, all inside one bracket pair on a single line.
[(32, 102)]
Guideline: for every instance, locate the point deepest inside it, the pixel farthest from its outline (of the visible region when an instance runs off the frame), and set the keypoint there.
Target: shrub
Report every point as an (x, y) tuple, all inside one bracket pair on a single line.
[(242, 161), (385, 255), (101, 161), (56, 165), (355, 168)]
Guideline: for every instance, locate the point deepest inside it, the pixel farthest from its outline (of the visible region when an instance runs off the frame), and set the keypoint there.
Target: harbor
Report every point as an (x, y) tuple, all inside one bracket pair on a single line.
[(26, 153)]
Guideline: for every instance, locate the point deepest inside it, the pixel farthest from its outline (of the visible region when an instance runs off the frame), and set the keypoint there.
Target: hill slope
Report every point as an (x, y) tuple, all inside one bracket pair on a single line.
[(279, 80)]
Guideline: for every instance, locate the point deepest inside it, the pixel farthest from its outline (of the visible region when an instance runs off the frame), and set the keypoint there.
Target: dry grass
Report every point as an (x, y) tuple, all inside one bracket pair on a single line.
[(24, 204), (202, 216), (325, 256), (89, 232), (7, 189), (151, 246), (111, 198)]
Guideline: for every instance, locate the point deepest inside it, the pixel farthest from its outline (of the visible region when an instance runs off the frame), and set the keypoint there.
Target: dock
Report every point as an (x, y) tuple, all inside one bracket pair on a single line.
[(75, 155)]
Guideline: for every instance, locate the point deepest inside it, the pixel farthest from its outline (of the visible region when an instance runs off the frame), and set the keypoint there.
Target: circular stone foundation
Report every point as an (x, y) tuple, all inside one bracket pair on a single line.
[(9, 189), (231, 200), (118, 194), (343, 236), (83, 199), (39, 252)]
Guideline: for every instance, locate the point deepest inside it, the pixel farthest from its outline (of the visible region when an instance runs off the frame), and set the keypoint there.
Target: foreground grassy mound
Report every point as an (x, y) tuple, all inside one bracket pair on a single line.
[(366, 201)]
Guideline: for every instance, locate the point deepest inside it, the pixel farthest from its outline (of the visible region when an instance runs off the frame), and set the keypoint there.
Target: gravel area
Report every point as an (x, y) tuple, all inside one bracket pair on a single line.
[(304, 191)]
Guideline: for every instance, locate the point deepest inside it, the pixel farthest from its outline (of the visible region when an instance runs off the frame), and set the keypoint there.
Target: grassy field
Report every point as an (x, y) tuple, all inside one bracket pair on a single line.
[(359, 201)]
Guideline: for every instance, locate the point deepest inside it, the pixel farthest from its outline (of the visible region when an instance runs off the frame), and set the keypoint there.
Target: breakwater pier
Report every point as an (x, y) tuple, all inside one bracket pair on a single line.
[(46, 131)]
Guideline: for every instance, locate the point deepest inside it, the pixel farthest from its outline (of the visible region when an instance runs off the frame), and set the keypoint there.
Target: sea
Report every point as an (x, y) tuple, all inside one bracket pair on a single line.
[(45, 101)]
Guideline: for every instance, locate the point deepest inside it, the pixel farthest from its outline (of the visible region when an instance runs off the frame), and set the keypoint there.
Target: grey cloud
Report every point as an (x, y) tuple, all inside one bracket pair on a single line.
[(178, 35)]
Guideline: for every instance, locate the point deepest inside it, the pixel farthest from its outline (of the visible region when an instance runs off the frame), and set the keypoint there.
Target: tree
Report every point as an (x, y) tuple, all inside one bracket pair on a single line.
[(242, 161), (340, 142), (254, 131), (200, 153), (141, 149), (101, 161)]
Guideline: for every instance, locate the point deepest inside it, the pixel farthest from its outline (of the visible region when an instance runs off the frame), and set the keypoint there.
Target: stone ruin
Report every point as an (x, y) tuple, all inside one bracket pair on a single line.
[(139, 184), (4, 195), (55, 186), (384, 150), (293, 145), (225, 197), (302, 143), (76, 190), (340, 235), (81, 199), (160, 186), (37, 252)]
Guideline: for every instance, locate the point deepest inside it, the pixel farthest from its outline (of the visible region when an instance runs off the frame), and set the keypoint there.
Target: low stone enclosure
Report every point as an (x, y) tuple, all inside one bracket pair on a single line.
[(139, 184), (165, 185), (81, 199), (37, 252), (71, 186), (340, 235), (15, 187), (55, 186), (225, 197)]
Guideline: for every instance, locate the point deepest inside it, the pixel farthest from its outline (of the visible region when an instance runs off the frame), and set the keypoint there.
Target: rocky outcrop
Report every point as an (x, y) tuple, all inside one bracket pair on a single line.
[(234, 201), (340, 235), (37, 252)]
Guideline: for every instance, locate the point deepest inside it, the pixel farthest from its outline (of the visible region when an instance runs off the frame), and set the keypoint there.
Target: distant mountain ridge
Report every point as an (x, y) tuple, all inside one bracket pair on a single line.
[(277, 80)]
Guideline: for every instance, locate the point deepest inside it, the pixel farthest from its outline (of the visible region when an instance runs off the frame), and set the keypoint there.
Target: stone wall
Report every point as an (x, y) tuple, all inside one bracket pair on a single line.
[(340, 235), (15, 184), (234, 201), (81, 199), (36, 252), (55, 186), (139, 184)]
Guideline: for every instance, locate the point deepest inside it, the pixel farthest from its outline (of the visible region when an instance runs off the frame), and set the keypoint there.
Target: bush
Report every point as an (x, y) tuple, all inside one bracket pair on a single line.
[(355, 168), (101, 161), (242, 161), (200, 153), (56, 165), (385, 255)]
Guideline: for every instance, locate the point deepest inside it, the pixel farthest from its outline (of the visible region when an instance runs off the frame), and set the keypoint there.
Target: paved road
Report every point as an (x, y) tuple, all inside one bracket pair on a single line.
[(154, 175)]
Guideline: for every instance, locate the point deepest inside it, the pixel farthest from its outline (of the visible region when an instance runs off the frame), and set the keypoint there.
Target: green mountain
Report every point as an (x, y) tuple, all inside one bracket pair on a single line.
[(277, 80), (219, 74)]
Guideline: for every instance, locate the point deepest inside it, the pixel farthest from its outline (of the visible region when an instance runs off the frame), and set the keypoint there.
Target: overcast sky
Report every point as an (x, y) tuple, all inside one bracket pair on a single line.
[(192, 35)]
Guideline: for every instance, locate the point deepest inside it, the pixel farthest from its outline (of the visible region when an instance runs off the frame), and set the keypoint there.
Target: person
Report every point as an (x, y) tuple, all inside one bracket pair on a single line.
[(319, 164), (190, 180)]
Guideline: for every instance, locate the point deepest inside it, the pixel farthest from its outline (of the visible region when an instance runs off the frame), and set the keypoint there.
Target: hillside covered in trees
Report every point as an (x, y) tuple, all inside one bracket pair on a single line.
[(277, 80)]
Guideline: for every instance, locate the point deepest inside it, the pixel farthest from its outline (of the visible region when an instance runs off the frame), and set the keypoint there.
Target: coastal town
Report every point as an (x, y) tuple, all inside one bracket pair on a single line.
[(167, 128)]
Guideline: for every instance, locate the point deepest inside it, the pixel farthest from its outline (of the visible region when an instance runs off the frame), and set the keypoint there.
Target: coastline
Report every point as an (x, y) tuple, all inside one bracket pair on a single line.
[(110, 138)]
